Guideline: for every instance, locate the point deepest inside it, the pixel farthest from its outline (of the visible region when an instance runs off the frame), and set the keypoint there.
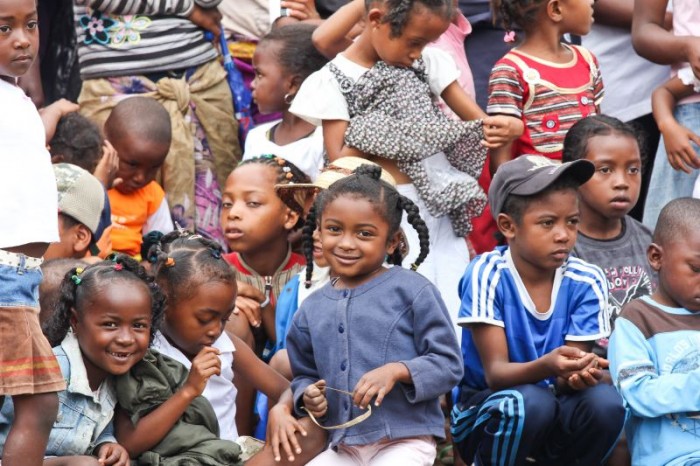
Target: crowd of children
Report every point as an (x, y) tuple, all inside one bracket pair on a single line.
[(322, 289)]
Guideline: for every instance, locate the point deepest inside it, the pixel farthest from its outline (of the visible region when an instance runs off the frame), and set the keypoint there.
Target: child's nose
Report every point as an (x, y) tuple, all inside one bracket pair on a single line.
[(21, 39)]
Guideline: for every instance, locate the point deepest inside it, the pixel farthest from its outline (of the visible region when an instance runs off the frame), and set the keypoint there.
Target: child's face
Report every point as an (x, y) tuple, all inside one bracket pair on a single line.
[(577, 16), (678, 265), (269, 85), (614, 188), (423, 27), (198, 321), (355, 239), (19, 36), (114, 329), (319, 258), (252, 215), (547, 231), (139, 160)]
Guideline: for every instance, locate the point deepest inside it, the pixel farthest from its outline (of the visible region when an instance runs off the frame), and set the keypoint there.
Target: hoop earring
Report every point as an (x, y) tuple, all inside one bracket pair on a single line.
[(289, 98)]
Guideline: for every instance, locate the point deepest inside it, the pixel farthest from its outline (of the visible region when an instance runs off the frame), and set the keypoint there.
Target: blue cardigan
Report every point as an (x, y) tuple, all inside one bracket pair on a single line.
[(340, 334)]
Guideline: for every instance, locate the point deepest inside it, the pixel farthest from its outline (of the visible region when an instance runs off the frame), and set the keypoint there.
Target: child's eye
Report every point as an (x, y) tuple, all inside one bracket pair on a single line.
[(634, 170), (5, 29), (694, 268), (332, 229), (253, 204), (547, 223), (32, 25), (227, 205), (140, 326), (605, 170), (574, 221), (110, 324), (365, 234)]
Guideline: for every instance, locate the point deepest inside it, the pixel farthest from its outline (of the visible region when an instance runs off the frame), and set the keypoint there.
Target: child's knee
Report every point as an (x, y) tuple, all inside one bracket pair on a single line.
[(540, 407), (602, 406)]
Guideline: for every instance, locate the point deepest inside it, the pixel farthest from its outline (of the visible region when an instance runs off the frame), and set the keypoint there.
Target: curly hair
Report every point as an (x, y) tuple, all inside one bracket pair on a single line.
[(399, 11), (365, 183), (183, 261), (79, 287), (78, 141), (520, 13)]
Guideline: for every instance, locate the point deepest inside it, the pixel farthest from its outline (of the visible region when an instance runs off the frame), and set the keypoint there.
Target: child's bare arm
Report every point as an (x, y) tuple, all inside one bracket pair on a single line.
[(459, 102), (152, 428), (264, 378), (331, 37), (500, 373), (334, 140), (677, 138)]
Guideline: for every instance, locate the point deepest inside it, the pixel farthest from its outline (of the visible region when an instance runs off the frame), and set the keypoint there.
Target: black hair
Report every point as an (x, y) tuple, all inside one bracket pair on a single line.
[(399, 11), (287, 173), (183, 261), (520, 13), (576, 140), (144, 117), (365, 183), (77, 141), (677, 220), (516, 205), (296, 53), (53, 272), (80, 285)]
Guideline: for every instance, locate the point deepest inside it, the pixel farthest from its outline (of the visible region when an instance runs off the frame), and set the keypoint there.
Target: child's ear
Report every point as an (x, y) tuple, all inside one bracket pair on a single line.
[(506, 225), (82, 237), (554, 10), (655, 255), (290, 219), (293, 84), (374, 17), (393, 243)]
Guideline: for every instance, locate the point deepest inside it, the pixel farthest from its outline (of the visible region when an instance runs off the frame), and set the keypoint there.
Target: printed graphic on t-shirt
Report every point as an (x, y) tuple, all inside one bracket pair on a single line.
[(625, 284)]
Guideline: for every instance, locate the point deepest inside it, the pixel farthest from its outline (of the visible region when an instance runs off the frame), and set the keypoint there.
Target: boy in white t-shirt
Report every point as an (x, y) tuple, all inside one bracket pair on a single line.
[(29, 372)]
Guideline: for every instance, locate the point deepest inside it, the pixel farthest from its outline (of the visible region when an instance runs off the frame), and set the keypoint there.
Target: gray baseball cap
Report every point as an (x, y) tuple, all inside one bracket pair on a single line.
[(530, 174)]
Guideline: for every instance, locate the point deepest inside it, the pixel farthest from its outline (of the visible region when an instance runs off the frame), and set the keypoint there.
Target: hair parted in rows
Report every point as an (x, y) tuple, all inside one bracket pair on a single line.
[(398, 12), (287, 173), (576, 140), (520, 13), (365, 183), (183, 261), (81, 284), (296, 53)]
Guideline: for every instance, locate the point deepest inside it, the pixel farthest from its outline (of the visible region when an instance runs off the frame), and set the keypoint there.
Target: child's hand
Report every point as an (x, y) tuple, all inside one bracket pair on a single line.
[(679, 150), (207, 19), (204, 365), (314, 399), (107, 167), (500, 130), (566, 360), (112, 454), (377, 382), (301, 9), (248, 302), (281, 430), (61, 107), (589, 376)]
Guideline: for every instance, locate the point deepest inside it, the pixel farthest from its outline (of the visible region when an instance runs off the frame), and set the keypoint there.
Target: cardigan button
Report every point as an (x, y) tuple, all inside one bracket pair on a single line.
[(341, 329), (343, 366)]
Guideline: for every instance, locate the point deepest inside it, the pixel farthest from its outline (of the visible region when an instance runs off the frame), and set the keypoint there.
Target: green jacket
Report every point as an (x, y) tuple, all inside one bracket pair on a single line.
[(194, 439)]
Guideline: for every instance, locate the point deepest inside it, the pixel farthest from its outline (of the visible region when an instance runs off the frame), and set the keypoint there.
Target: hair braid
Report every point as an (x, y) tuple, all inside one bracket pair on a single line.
[(57, 326), (414, 218), (307, 241)]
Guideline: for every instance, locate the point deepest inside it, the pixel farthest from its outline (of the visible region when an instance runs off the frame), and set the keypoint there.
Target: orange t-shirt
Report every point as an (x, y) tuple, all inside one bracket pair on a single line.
[(130, 212)]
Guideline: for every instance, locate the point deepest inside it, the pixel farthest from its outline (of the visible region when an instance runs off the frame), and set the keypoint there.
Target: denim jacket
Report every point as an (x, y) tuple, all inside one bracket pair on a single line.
[(84, 418)]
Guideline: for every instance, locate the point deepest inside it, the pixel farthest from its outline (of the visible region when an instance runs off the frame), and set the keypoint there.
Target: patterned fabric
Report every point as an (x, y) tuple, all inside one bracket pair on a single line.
[(392, 115), (126, 37), (204, 149), (548, 97)]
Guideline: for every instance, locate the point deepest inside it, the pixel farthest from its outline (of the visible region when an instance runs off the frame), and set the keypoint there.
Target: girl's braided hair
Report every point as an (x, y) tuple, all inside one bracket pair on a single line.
[(287, 173), (183, 261), (80, 285), (399, 11), (521, 13), (365, 183)]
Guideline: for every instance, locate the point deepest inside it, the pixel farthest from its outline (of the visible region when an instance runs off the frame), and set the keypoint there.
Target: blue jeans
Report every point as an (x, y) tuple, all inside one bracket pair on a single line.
[(666, 183), (19, 286)]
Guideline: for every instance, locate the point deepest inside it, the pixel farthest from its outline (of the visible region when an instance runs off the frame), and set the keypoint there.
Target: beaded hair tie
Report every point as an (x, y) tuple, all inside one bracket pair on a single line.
[(75, 278)]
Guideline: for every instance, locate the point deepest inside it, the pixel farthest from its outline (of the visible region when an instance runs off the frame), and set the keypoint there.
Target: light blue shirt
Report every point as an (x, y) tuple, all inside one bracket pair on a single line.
[(84, 418)]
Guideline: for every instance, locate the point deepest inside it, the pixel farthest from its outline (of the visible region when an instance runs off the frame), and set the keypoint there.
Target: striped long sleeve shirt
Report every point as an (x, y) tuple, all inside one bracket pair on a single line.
[(135, 37)]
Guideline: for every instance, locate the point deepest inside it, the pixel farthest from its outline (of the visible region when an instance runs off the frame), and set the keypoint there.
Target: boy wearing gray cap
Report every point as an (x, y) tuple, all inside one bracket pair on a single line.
[(532, 387)]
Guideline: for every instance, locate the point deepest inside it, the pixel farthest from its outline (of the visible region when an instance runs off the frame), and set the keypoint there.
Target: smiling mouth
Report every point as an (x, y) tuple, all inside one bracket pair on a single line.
[(346, 260), (121, 356)]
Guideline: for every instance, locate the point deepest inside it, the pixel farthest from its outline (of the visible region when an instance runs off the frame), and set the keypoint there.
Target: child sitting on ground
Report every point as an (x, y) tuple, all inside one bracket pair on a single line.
[(532, 314), (607, 236), (81, 202), (654, 348), (139, 129)]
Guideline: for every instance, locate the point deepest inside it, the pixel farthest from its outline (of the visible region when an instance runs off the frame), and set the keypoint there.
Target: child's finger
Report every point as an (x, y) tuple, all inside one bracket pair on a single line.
[(380, 397), (274, 441), (292, 428), (284, 439)]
